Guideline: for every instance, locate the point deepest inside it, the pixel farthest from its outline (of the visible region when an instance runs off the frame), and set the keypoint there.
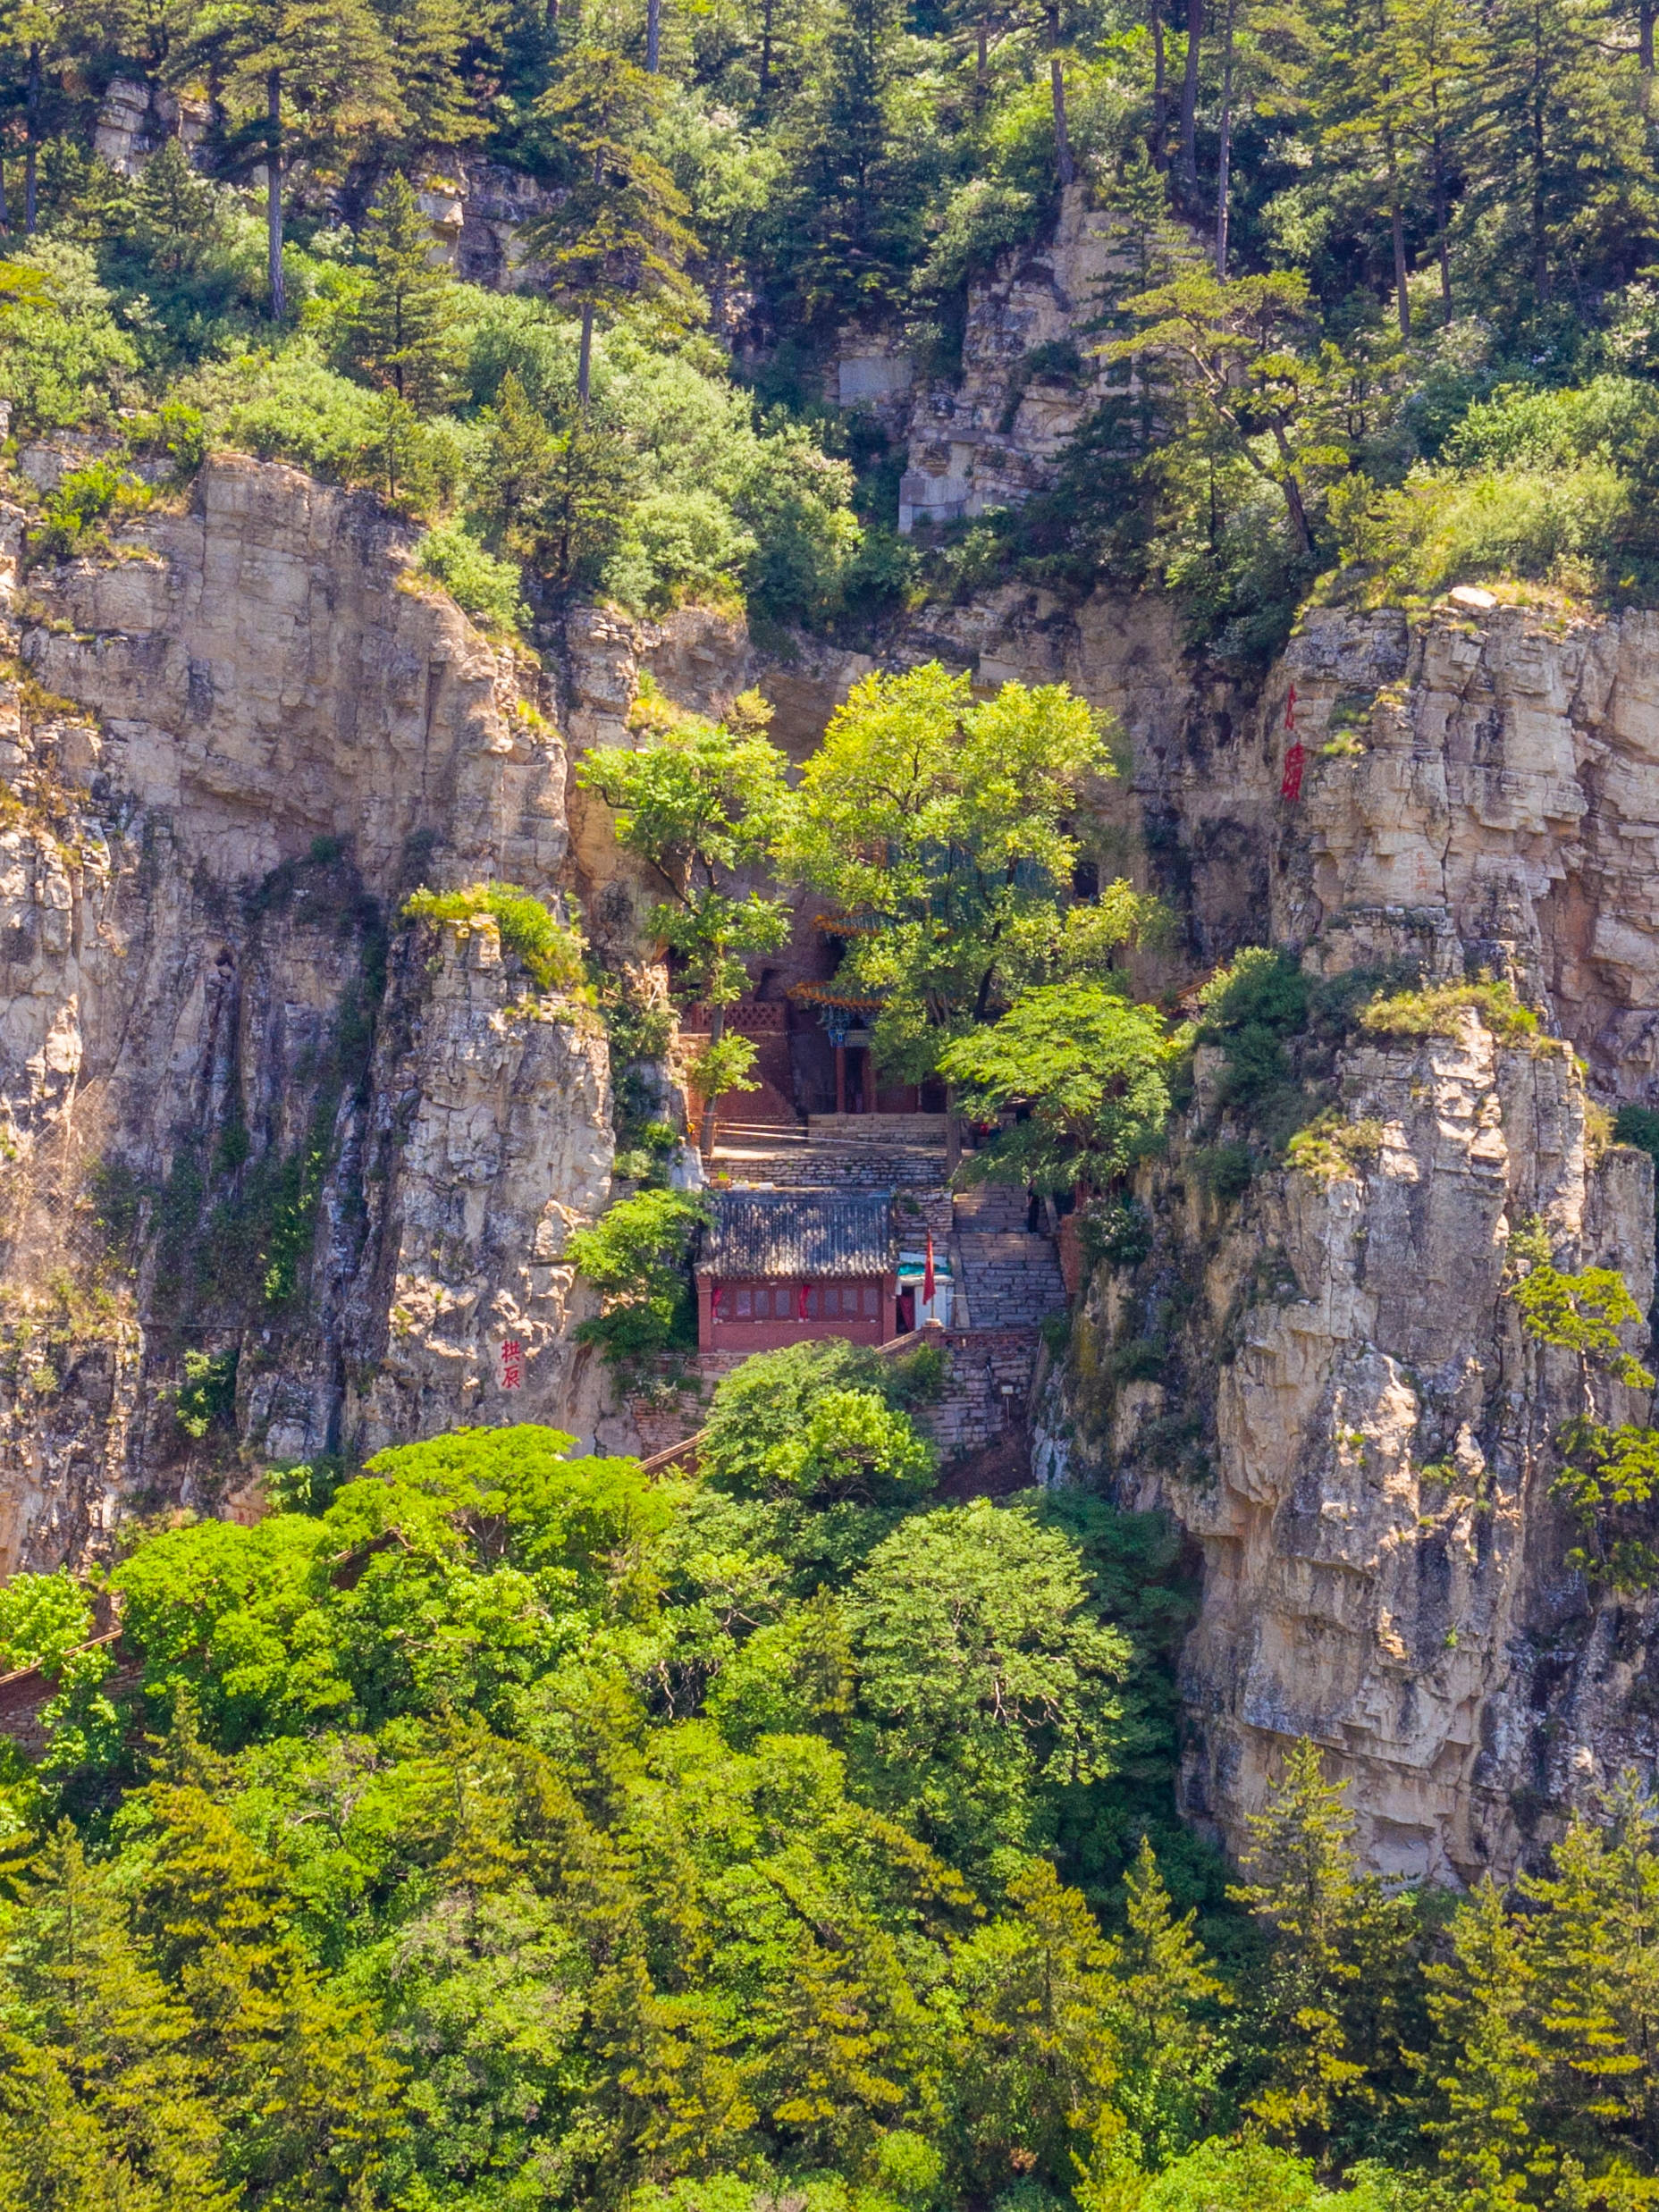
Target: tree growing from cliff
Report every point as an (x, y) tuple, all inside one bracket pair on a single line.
[(1243, 354), (402, 332), (944, 829), (616, 234), (1088, 1067), (699, 803), (299, 81)]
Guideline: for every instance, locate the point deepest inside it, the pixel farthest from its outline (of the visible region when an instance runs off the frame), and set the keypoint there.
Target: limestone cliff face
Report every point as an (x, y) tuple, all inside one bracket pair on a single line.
[(249, 1117), (1325, 1379), (281, 1175)]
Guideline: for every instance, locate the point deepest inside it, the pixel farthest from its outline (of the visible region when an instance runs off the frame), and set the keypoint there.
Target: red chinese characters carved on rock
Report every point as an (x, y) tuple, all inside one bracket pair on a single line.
[(1295, 757), (512, 1364)]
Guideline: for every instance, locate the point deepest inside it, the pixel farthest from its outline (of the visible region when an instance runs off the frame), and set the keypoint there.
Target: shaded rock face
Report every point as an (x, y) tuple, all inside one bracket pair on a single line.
[(262, 1145)]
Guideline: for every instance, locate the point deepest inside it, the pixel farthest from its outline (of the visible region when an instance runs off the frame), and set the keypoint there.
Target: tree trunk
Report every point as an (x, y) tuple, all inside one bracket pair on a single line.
[(953, 1131), (6, 219), (274, 193), (1441, 249), (1645, 14), (1540, 229), (1396, 219), (1160, 92), (1224, 158), (653, 35), (717, 1030), (32, 140), (766, 53), (1056, 86), (584, 358), (1299, 513), (982, 61), (1189, 96)]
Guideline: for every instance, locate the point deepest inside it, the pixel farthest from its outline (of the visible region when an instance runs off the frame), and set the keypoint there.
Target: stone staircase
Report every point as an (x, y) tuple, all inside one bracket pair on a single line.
[(994, 1207), (829, 1160), (1012, 1277)]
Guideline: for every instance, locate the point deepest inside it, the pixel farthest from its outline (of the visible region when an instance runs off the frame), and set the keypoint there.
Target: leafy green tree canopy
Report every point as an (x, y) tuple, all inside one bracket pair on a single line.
[(1087, 1066)]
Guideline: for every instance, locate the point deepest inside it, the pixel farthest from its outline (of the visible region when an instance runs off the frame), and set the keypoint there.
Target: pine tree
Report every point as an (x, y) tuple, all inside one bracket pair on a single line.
[(1327, 2017), (856, 221), (43, 43), (177, 217), (617, 233), (1595, 1954), (1485, 2063), (303, 2077), (1168, 2059), (303, 80), (1560, 169), (514, 478), (103, 2029), (437, 105), (402, 333), (1038, 2071)]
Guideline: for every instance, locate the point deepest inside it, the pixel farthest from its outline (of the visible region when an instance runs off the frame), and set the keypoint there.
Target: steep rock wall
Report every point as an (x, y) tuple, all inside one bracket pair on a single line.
[(247, 1117), (1325, 1380)]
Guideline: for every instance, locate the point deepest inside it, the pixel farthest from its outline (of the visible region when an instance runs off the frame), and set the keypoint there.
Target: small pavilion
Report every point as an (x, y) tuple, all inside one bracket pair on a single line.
[(783, 1267)]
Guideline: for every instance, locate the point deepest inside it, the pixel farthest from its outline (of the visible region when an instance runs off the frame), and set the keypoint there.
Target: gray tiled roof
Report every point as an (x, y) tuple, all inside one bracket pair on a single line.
[(799, 1233)]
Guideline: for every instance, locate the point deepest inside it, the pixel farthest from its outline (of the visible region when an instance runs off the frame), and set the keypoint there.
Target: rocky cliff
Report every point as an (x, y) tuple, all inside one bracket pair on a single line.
[(1324, 1375), (281, 1174)]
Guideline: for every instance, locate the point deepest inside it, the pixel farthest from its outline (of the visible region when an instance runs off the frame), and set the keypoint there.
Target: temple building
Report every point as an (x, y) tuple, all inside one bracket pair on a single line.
[(781, 1266)]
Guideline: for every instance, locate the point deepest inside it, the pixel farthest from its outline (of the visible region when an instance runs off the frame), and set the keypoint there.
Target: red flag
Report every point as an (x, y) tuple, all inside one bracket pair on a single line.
[(1290, 709), (927, 1278), (1291, 788)]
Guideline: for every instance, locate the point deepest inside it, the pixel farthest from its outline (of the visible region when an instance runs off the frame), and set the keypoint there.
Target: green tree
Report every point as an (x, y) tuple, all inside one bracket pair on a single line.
[(402, 332), (986, 1678), (1329, 2015), (1087, 1066), (300, 81), (1559, 164), (944, 828), (96, 2031), (636, 1256), (699, 803), (616, 233), (773, 1426), (1039, 2072), (513, 481), (1245, 355), (1168, 2057), (439, 88), (1485, 2063), (44, 45), (1594, 1960), (856, 149), (1608, 1483)]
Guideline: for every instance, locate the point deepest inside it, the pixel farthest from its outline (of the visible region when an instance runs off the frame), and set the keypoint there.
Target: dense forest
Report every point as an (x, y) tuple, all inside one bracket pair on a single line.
[(494, 1827), (1382, 313), (501, 1828)]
